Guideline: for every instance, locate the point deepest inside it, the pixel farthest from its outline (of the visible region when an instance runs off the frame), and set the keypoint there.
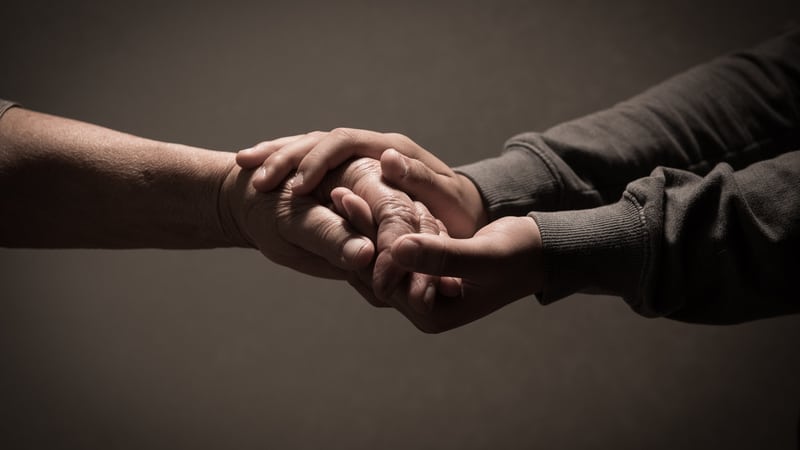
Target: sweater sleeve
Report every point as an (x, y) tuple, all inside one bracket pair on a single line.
[(684, 200), (739, 108), (716, 249)]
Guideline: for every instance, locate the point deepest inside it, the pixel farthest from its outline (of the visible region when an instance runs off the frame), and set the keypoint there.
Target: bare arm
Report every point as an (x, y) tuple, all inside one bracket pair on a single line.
[(69, 184), (66, 183)]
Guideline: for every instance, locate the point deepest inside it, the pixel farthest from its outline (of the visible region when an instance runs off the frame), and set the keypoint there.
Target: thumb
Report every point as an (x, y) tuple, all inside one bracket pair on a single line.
[(439, 190), (442, 255), (416, 179)]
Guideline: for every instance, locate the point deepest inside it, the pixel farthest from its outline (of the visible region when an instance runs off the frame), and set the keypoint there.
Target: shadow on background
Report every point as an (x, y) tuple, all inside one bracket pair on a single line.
[(222, 349)]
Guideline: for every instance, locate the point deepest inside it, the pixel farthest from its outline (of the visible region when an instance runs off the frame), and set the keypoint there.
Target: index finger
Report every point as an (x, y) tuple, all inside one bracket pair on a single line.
[(338, 146)]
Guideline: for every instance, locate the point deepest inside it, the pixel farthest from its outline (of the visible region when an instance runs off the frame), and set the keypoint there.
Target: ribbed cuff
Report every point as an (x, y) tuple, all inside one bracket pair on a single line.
[(514, 183), (601, 251)]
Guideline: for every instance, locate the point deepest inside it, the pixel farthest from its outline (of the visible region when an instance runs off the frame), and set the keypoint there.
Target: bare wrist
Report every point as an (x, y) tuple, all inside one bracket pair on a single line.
[(473, 202), (233, 185)]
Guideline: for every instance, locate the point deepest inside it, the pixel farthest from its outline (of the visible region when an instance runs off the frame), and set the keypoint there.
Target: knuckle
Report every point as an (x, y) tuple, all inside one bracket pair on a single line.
[(361, 175), (344, 134), (393, 209), (428, 224), (312, 159), (278, 159), (397, 137), (366, 167)]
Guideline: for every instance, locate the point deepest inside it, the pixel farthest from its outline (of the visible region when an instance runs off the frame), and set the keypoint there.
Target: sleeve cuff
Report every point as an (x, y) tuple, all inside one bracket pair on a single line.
[(5, 105), (601, 251), (514, 183)]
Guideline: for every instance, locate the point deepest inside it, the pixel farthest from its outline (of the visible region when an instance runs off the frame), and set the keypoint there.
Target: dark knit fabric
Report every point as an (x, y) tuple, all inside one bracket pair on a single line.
[(684, 200)]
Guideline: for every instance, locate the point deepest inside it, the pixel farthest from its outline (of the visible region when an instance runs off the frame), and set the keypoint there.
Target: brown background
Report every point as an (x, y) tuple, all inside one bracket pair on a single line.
[(223, 349)]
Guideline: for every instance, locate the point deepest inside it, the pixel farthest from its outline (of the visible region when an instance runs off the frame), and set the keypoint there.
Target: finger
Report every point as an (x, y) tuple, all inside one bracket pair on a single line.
[(359, 214), (338, 146), (395, 215), (441, 190), (440, 255), (365, 291), (336, 198), (448, 286), (283, 160), (356, 210), (422, 287), (322, 232), (287, 254), (417, 179), (427, 223), (254, 156), (365, 276)]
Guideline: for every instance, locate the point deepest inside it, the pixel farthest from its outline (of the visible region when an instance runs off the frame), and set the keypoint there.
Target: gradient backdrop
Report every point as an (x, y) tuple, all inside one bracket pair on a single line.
[(221, 349)]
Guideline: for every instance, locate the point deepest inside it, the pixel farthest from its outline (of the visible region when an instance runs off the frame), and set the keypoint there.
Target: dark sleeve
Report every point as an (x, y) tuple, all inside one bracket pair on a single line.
[(740, 108), (723, 248), (5, 105), (712, 238)]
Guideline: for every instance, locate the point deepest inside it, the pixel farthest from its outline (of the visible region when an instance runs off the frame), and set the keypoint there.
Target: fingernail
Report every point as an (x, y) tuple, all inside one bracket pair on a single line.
[(261, 175), (352, 249), (296, 180), (260, 179), (347, 209), (429, 297), (402, 159)]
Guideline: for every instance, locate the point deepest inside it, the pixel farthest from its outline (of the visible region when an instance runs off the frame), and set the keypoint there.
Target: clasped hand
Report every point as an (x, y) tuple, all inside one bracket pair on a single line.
[(407, 203)]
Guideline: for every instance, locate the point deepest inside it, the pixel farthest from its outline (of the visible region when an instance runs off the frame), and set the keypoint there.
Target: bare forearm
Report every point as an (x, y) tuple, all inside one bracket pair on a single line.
[(65, 183)]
